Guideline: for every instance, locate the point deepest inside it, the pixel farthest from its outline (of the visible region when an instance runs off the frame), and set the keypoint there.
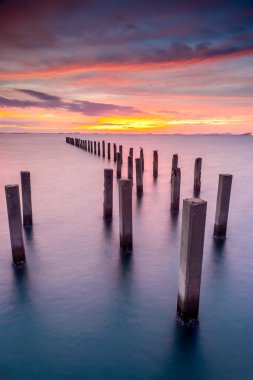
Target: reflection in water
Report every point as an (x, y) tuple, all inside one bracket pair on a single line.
[(196, 193), (107, 229), (20, 283)]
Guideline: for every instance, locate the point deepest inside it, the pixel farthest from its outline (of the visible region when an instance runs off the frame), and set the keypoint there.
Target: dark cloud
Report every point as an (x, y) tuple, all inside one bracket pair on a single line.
[(41, 35), (55, 102)]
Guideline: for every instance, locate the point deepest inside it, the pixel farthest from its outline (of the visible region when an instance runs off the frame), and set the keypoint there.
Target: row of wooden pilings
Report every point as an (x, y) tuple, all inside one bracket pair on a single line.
[(193, 218)]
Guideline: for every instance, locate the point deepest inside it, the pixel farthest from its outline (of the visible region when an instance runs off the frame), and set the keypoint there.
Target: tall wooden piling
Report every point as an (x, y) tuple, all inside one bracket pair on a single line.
[(191, 254), (108, 193), (103, 149), (174, 163), (26, 199), (130, 167), (142, 158), (125, 214), (197, 175), (222, 205), (175, 189), (91, 146), (88, 145), (139, 177), (155, 163), (114, 152), (95, 147), (121, 153), (109, 151), (15, 225), (98, 148), (131, 152), (118, 159)]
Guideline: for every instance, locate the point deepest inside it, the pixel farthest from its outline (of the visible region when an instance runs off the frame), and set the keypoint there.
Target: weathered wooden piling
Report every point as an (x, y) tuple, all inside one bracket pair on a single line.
[(155, 163), (191, 254), (109, 151), (88, 145), (142, 158), (114, 152), (95, 147), (98, 148), (175, 189), (103, 149), (222, 205), (174, 164), (118, 159), (121, 153), (91, 146), (131, 152), (130, 167), (26, 199), (15, 225), (139, 176), (125, 214), (108, 193), (197, 175)]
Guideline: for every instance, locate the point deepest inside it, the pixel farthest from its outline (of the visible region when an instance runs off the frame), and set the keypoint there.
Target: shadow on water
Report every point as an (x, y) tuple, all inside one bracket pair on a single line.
[(196, 193), (186, 349), (20, 283), (126, 263), (174, 217), (107, 229)]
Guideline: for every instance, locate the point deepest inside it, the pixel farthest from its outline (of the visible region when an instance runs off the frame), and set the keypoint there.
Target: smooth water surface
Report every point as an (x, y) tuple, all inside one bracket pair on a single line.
[(81, 310)]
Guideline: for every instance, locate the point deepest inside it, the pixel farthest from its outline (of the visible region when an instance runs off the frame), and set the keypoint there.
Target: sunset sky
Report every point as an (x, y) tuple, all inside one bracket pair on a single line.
[(130, 66)]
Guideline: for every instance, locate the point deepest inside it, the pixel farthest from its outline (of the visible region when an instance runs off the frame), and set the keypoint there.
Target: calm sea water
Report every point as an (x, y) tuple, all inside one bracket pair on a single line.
[(79, 310)]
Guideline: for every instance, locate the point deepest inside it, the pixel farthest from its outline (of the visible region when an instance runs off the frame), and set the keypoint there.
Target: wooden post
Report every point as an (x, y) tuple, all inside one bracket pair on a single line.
[(222, 205), (175, 189), (114, 152), (121, 153), (15, 225), (98, 148), (26, 199), (125, 214), (130, 168), (118, 158), (103, 149), (197, 175), (155, 163), (142, 158), (108, 193), (131, 152), (174, 163), (95, 147), (191, 254), (109, 151), (139, 179), (91, 146)]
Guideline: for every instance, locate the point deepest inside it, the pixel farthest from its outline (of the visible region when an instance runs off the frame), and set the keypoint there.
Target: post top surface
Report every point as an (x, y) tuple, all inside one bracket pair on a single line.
[(226, 175), (195, 201), (25, 172)]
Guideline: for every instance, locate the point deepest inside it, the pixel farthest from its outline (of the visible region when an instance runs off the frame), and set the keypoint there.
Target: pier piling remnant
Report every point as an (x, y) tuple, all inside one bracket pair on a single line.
[(98, 148), (155, 163), (109, 151), (88, 145), (174, 163), (26, 198), (15, 225), (197, 175), (222, 205), (191, 254), (139, 177), (118, 159), (114, 152), (125, 214), (130, 168), (175, 189), (142, 158), (91, 146), (131, 152), (108, 193), (121, 153), (95, 147), (103, 149)]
